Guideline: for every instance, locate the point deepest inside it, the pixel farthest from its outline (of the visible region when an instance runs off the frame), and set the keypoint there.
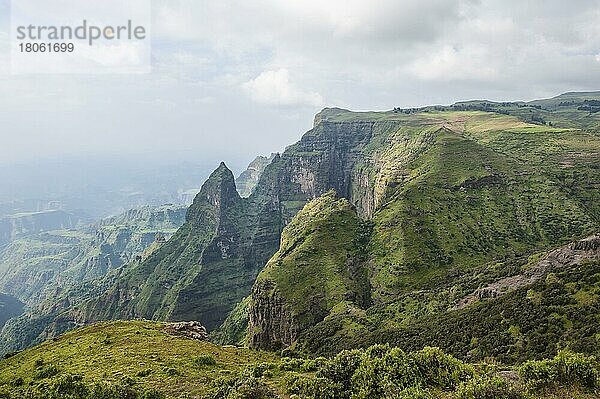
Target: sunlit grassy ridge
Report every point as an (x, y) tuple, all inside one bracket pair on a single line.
[(461, 199), (138, 360), (134, 349)]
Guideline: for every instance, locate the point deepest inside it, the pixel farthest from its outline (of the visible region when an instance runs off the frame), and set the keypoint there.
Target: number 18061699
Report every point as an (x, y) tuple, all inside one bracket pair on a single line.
[(47, 47)]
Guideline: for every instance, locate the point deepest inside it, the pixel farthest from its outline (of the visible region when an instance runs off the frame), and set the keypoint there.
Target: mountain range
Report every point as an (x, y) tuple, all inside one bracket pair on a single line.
[(472, 227)]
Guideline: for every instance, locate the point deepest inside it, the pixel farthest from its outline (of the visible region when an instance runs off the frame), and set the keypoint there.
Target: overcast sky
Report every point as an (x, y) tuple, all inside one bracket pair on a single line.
[(233, 79)]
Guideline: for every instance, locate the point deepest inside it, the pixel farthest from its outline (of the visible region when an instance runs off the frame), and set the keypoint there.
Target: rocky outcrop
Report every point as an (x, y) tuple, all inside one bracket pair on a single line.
[(319, 265), (248, 179), (189, 329), (271, 323), (570, 255)]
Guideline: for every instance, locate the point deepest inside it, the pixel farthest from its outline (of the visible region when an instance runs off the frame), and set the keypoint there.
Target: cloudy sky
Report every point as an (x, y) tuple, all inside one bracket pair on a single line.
[(233, 79)]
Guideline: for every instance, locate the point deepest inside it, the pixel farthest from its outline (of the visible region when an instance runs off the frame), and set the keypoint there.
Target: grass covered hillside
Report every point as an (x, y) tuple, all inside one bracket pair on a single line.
[(472, 228), (134, 353), (318, 266), (139, 360), (459, 204)]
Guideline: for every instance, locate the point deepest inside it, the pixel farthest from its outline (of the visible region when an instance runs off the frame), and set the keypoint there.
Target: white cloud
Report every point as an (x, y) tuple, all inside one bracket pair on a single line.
[(274, 88), (450, 63), (211, 57)]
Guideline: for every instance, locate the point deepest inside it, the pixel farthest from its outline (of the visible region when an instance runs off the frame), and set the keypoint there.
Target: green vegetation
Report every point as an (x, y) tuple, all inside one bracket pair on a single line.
[(381, 232), (460, 199), (323, 247), (137, 354), (138, 360)]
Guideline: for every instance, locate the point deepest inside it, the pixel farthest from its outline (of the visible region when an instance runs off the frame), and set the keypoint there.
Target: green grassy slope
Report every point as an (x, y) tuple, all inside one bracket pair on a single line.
[(321, 247), (137, 350), (461, 199), (138, 360), (320, 263)]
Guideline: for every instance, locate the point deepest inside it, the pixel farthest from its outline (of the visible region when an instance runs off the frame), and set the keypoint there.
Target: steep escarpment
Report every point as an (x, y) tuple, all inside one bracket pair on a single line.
[(211, 263), (34, 267), (320, 263), (150, 288), (438, 202), (457, 201), (23, 224), (9, 307)]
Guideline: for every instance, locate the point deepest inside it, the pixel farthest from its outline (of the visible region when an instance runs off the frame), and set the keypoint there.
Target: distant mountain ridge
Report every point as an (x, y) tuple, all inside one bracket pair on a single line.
[(32, 267), (248, 179), (427, 205), (22, 224)]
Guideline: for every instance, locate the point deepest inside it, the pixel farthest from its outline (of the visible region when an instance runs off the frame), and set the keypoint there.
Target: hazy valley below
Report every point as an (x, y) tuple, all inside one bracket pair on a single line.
[(441, 251)]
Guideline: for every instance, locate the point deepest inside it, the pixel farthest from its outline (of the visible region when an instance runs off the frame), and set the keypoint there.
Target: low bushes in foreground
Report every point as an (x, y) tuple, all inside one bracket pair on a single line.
[(378, 372)]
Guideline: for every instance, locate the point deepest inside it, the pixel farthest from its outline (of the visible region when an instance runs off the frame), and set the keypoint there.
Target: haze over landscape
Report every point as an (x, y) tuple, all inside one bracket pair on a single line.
[(302, 199), (273, 65)]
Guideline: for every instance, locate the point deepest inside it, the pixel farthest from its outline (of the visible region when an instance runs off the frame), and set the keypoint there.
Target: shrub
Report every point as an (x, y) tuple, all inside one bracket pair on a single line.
[(204, 360), (488, 388), (291, 364), (243, 386), (171, 371), (261, 370), (341, 368), (68, 387), (144, 373), (315, 387), (46, 372), (394, 370), (440, 369), (17, 382), (313, 364), (566, 368)]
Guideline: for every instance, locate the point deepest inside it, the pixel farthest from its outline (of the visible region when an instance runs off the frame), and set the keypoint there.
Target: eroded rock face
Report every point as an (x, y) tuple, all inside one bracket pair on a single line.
[(270, 319), (12, 227), (569, 255), (248, 179), (189, 329), (300, 285)]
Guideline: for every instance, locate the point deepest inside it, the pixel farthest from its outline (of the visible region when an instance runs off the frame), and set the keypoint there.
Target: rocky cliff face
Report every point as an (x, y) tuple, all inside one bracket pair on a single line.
[(203, 271), (271, 324), (446, 197), (9, 307), (23, 224), (248, 179), (211, 263), (320, 263), (445, 193)]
